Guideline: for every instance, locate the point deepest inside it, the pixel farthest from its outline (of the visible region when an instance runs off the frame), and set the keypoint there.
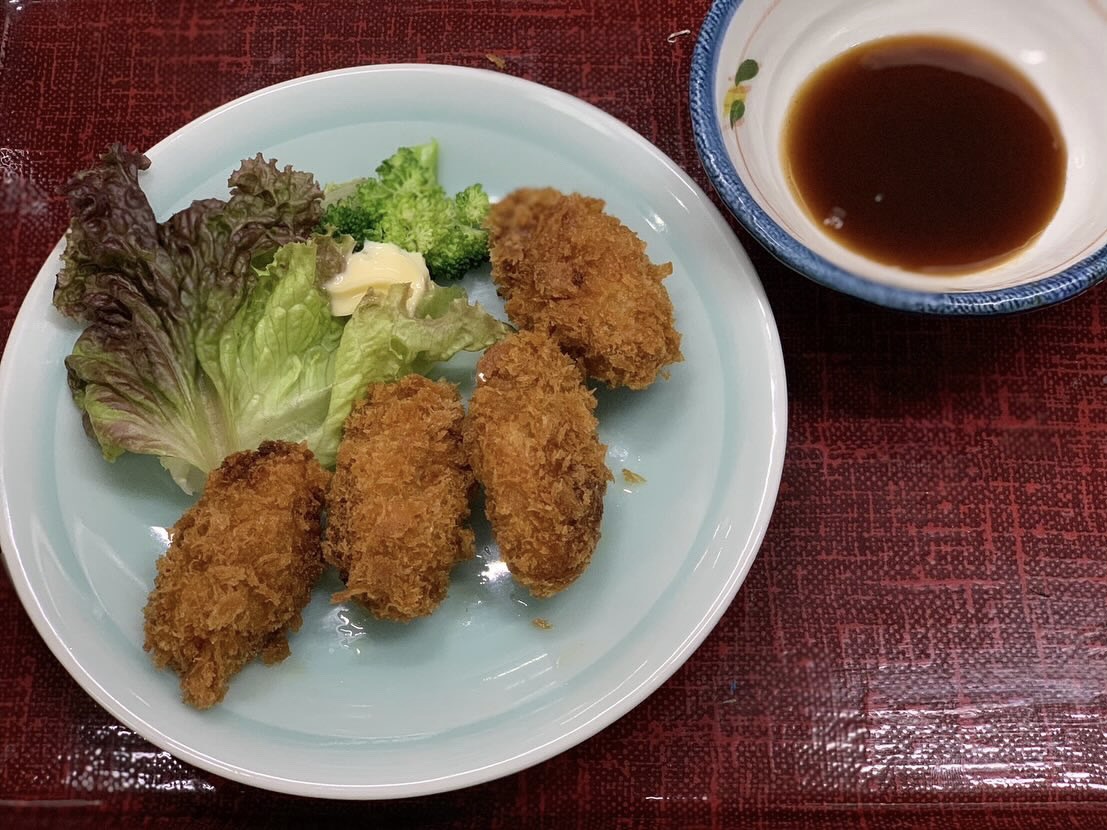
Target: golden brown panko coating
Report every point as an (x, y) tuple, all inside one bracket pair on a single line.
[(532, 442), (399, 501), (239, 570), (566, 268)]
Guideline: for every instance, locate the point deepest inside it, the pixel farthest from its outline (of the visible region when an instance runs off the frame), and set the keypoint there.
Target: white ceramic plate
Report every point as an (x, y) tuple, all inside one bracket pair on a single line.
[(364, 709)]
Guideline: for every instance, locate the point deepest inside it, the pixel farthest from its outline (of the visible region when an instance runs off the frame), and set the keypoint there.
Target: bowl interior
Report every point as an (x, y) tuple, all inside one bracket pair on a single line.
[(1057, 46)]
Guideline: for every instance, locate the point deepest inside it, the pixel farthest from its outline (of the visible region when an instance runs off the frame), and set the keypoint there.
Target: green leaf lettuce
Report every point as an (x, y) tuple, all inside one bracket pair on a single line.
[(209, 333)]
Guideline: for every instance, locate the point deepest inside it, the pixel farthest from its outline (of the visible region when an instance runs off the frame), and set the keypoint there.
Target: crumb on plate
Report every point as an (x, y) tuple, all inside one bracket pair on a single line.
[(631, 477)]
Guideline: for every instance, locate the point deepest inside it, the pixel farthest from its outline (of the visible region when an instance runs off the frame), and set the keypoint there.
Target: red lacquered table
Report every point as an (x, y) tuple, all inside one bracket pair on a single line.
[(922, 641)]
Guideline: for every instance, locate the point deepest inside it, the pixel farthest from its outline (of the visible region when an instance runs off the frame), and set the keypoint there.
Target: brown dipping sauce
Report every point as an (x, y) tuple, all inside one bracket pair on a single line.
[(926, 153)]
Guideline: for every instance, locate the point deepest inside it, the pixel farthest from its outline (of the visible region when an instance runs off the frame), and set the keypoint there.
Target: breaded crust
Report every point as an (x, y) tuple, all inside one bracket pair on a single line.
[(399, 501), (567, 268), (531, 438), (239, 570)]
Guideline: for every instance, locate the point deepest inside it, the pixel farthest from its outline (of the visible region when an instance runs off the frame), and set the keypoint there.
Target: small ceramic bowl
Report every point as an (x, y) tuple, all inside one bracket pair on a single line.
[(753, 55)]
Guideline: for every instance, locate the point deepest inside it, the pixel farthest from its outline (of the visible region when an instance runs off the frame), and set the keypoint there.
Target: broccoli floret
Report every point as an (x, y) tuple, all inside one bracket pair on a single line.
[(405, 205), (473, 205)]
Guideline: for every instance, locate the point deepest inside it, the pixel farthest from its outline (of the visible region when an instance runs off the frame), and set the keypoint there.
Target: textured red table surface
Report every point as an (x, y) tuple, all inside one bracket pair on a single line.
[(923, 638)]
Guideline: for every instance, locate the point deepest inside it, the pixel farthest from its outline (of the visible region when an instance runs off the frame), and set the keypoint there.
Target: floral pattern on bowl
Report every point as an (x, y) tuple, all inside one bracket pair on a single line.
[(734, 101)]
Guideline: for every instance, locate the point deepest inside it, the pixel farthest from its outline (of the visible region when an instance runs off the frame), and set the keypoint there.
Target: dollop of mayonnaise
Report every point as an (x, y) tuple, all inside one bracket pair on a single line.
[(377, 267)]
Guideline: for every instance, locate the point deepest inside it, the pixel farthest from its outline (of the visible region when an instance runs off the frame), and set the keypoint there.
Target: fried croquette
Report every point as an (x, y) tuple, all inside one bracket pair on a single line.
[(531, 438), (239, 570), (567, 268), (399, 501)]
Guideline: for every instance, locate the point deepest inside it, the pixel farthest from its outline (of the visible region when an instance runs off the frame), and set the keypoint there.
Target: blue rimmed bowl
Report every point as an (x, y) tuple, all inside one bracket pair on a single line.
[(753, 55)]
